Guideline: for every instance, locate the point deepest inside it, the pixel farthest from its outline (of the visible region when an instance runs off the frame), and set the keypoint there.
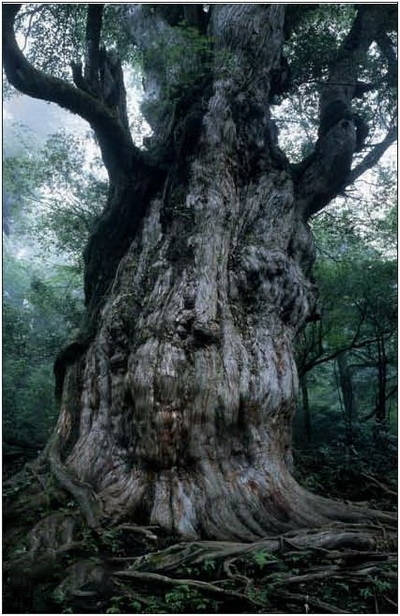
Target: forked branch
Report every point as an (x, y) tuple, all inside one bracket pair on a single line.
[(93, 31), (324, 174), (118, 151)]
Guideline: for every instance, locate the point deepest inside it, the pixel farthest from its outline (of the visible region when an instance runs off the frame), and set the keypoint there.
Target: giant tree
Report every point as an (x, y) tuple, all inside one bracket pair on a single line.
[(177, 398)]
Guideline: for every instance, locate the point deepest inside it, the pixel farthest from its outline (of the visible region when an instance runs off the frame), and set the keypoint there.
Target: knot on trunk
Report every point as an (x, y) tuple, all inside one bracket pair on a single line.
[(270, 276)]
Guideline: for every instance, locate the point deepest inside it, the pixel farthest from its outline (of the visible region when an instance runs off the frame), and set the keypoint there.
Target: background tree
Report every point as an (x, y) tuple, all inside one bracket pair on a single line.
[(356, 254), (51, 208), (178, 395)]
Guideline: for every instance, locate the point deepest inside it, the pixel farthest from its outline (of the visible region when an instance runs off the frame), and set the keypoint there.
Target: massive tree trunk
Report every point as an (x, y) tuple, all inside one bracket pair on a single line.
[(186, 394), (176, 407)]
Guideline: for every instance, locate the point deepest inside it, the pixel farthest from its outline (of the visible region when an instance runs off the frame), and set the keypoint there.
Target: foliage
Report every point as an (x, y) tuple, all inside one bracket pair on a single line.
[(363, 221), (262, 558), (48, 27), (310, 50), (39, 314), (51, 208), (50, 198), (356, 254), (70, 200), (190, 44), (182, 65), (316, 41), (337, 471)]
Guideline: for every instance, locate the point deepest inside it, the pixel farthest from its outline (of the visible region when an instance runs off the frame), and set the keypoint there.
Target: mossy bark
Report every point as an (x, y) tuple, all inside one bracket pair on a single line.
[(177, 398), (177, 402), (189, 386)]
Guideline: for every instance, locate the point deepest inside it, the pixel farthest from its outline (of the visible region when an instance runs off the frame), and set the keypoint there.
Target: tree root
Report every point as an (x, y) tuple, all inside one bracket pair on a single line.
[(380, 485), (87, 500), (346, 555), (334, 536), (91, 563), (156, 578), (293, 569), (140, 530)]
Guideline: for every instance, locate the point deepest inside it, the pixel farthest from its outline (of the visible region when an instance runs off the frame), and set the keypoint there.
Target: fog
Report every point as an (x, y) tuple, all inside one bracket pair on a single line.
[(40, 118)]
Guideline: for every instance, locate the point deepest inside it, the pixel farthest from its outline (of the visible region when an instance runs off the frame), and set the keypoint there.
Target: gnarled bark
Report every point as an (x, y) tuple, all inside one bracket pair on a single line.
[(177, 409), (189, 387)]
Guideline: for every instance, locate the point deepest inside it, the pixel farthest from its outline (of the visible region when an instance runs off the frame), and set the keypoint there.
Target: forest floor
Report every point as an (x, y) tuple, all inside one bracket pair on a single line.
[(130, 569)]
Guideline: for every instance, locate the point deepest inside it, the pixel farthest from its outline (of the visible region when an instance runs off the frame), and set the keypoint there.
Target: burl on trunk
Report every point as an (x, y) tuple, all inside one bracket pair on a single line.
[(176, 411)]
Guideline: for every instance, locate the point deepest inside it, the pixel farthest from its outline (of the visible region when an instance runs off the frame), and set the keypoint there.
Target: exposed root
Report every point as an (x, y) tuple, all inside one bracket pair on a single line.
[(334, 537), (380, 485), (156, 578), (87, 500), (140, 530), (290, 570), (93, 564), (350, 554), (349, 512)]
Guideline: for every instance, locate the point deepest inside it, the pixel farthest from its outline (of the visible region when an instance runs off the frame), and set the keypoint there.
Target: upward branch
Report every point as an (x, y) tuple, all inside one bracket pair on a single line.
[(118, 151), (328, 170), (93, 31), (373, 156), (386, 47)]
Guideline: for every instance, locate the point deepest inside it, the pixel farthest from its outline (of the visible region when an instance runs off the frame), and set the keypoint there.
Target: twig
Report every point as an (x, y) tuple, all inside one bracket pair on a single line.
[(390, 601)]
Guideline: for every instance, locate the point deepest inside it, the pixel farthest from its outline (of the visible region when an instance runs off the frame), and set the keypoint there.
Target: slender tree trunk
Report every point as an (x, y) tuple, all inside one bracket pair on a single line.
[(306, 409), (348, 396), (380, 409)]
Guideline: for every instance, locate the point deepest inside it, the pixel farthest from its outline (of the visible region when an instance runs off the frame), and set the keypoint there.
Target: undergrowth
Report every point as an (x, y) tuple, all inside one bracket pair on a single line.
[(293, 579)]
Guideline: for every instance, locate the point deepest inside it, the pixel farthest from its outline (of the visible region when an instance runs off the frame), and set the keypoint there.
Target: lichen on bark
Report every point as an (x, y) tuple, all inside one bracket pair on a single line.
[(176, 408), (189, 386)]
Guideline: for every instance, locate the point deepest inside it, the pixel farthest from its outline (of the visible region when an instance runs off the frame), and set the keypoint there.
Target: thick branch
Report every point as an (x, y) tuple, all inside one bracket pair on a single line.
[(373, 156), (92, 55), (112, 88), (387, 50), (341, 133), (327, 169), (115, 141)]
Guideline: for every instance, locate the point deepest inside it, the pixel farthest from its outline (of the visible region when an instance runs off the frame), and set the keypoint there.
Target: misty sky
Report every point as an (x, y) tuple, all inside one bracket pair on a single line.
[(41, 118)]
